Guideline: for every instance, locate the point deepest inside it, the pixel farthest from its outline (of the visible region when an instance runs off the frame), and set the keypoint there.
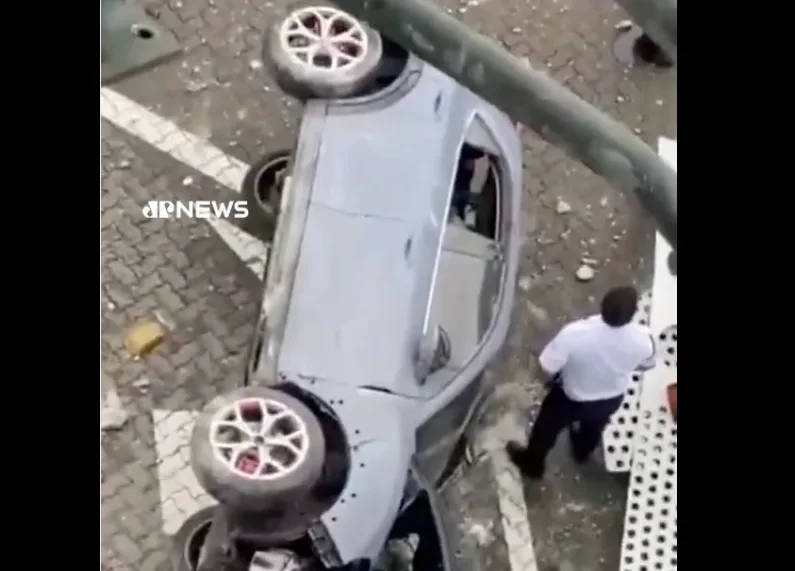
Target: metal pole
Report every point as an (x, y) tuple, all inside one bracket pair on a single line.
[(605, 146)]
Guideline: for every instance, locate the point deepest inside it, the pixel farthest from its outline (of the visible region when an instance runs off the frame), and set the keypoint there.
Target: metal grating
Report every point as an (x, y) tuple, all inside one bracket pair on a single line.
[(666, 346), (619, 435), (649, 542)]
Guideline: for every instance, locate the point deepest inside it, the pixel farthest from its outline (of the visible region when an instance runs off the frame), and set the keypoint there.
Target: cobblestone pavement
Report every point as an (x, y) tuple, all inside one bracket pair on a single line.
[(219, 91), (181, 271)]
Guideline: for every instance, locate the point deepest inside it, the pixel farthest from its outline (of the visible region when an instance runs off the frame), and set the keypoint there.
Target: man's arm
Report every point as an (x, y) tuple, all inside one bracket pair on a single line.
[(651, 360), (555, 354)]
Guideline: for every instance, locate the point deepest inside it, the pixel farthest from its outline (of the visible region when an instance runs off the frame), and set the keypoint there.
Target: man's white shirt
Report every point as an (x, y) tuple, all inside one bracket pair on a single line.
[(595, 360)]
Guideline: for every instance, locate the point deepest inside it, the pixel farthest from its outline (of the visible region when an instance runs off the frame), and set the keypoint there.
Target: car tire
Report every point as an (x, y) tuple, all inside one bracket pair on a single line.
[(304, 80), (185, 554), (234, 460), (263, 192)]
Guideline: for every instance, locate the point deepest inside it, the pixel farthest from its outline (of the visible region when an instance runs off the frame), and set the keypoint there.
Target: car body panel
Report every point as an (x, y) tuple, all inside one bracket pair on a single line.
[(379, 428), (381, 160), (355, 280)]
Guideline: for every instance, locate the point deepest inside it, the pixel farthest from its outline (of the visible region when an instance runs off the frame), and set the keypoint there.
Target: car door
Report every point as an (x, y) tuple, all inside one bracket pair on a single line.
[(468, 278), (472, 294)]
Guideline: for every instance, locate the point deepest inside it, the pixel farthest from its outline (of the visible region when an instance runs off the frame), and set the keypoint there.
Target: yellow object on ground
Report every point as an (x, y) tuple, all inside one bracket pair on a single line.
[(143, 338)]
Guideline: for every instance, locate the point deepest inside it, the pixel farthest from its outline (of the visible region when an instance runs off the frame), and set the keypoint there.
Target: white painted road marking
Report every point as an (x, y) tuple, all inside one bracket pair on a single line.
[(180, 493), (194, 152), (169, 138), (510, 491)]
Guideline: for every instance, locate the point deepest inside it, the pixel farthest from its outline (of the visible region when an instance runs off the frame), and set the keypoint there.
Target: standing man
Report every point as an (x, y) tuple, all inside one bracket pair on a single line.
[(589, 366)]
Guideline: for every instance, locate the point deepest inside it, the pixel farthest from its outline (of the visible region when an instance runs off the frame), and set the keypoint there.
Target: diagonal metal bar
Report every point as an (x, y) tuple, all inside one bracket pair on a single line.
[(605, 146)]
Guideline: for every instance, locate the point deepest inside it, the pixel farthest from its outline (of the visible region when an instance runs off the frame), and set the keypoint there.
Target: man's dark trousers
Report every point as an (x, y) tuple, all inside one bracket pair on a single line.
[(558, 412)]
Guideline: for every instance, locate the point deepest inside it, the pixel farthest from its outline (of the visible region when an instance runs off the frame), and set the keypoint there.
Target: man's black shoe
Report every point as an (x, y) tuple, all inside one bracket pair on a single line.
[(517, 454)]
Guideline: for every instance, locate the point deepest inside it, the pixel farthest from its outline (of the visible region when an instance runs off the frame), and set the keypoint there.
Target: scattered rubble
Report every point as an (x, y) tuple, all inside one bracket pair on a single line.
[(142, 383), (112, 418), (112, 415), (143, 338), (165, 320), (525, 282), (585, 273)]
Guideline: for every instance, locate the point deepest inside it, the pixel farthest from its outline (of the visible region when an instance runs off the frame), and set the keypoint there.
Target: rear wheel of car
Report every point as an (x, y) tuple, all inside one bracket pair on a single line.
[(321, 52), (256, 448), (262, 189)]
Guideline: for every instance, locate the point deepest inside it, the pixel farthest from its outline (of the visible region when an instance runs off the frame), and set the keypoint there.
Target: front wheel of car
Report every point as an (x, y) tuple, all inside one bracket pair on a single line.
[(255, 448), (202, 542), (321, 52), (262, 189)]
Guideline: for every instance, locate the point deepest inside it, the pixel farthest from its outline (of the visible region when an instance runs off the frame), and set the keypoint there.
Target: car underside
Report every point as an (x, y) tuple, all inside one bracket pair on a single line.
[(394, 224)]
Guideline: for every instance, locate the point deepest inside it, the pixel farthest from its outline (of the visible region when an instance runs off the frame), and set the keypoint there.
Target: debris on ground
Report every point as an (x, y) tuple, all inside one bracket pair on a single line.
[(143, 338), (524, 283), (112, 415), (481, 532), (165, 320), (585, 273), (142, 383), (563, 207), (112, 418)]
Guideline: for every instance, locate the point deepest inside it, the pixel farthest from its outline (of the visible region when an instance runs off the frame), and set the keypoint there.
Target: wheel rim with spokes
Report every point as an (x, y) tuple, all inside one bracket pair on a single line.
[(323, 39), (259, 439)]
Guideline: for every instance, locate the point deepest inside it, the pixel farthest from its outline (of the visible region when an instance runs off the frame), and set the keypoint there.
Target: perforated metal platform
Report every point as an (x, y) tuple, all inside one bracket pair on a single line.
[(617, 441), (650, 524), (649, 542)]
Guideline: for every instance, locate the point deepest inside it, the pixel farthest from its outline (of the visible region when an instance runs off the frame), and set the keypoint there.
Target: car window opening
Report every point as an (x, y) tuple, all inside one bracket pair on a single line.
[(474, 200)]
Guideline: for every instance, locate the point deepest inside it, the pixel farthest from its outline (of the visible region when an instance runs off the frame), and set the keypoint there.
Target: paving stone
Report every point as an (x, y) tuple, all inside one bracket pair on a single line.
[(144, 269)]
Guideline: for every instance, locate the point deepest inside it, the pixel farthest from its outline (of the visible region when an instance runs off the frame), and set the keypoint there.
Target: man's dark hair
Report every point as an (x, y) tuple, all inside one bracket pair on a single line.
[(619, 306)]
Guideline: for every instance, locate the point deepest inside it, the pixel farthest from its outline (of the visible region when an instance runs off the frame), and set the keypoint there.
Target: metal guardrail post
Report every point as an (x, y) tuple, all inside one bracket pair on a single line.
[(130, 41), (605, 146)]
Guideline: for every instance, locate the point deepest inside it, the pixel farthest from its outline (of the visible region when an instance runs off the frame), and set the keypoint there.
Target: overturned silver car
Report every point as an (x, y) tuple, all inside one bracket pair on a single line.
[(395, 223)]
